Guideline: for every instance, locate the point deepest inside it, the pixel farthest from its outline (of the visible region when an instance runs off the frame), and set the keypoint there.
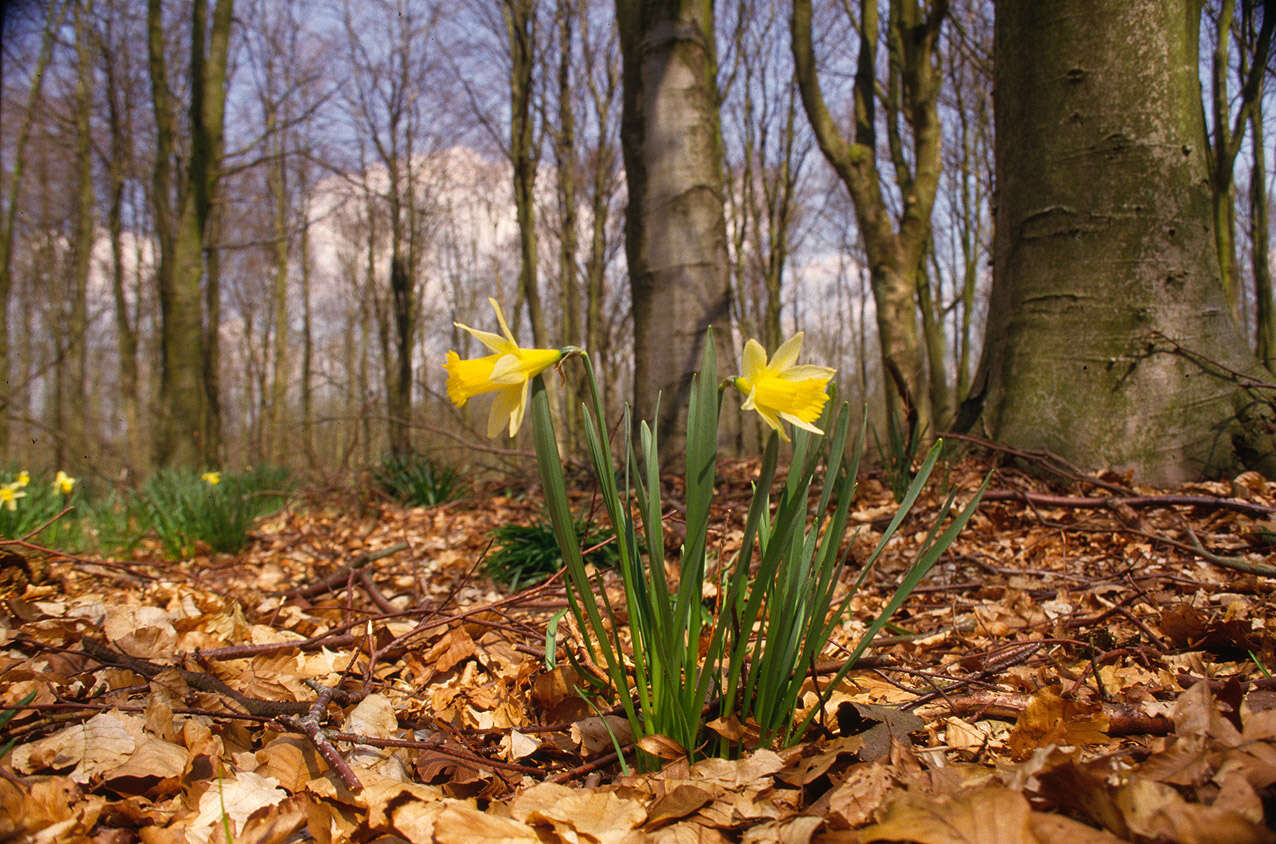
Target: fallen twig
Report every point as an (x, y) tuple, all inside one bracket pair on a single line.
[(342, 574), (311, 725), (1123, 719), (1043, 500)]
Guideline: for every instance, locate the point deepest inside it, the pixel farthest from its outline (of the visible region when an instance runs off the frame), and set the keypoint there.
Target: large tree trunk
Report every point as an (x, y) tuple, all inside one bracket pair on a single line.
[(675, 228), (1108, 332)]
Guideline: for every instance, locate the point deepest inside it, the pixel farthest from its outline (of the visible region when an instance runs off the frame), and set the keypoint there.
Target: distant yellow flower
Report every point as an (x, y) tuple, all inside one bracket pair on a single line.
[(780, 389), (211, 478), (508, 373), (24, 478), (63, 483), (9, 495)]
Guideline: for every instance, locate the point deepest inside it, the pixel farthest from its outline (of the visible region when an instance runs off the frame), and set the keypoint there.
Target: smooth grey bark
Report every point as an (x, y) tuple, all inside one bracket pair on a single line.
[(675, 227), (1109, 341)]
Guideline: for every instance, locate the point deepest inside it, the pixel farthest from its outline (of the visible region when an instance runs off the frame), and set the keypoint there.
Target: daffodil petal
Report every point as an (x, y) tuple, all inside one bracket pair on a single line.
[(753, 361), (500, 317), (516, 415), (774, 421), (504, 405), (799, 423), (495, 342), (807, 371), (508, 370), (787, 354)]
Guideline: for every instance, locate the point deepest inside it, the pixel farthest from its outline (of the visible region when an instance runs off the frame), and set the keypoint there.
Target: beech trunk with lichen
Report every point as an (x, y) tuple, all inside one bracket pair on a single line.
[(1109, 341), (675, 226)]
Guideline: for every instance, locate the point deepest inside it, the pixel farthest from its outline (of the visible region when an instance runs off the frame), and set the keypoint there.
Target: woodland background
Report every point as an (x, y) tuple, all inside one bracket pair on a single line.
[(240, 236)]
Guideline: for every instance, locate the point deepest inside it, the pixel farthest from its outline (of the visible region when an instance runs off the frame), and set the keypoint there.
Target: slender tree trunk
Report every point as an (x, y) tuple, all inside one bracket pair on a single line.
[(307, 335), (278, 182), (400, 404), (1223, 197), (212, 436), (1264, 324), (189, 429), (675, 228), (569, 242), (1109, 340), (76, 350), (119, 166), (895, 251), (53, 22), (940, 396), (520, 27)]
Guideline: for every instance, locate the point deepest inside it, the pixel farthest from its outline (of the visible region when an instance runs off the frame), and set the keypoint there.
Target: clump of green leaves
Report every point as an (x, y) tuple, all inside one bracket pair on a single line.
[(523, 555), (898, 454), (416, 480), (781, 596), (184, 508), (28, 502)]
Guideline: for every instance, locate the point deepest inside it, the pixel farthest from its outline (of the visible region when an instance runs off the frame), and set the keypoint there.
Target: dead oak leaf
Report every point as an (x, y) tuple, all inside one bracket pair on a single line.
[(460, 823), (1050, 719), (676, 805), (235, 798), (988, 815), (1153, 810)]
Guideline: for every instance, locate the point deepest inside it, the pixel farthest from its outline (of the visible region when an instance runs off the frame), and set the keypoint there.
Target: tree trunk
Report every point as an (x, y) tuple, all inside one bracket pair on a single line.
[(278, 181), (76, 329), (189, 426), (1109, 341), (520, 27), (565, 161), (119, 166), (399, 401), (895, 251), (675, 228), (1264, 325), (7, 236)]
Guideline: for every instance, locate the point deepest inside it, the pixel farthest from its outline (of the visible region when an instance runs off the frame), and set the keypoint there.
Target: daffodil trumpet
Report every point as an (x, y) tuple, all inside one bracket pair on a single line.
[(507, 372)]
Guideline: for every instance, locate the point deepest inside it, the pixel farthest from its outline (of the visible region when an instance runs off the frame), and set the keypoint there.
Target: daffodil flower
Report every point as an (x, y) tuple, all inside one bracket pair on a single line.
[(9, 495), (508, 372), (63, 483), (211, 478), (780, 389), (24, 478)]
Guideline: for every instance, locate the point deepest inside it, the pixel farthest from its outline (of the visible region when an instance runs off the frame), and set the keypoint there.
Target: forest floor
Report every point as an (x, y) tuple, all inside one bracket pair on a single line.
[(1088, 662)]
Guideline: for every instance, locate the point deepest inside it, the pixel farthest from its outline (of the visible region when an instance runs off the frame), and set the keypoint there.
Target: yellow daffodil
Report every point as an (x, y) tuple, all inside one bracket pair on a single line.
[(508, 372), (63, 483), (24, 478), (211, 478), (9, 495), (780, 389)]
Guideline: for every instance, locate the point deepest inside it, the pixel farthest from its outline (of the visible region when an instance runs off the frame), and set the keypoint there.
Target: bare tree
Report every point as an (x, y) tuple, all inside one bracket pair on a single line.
[(392, 66), (56, 12), (184, 189)]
